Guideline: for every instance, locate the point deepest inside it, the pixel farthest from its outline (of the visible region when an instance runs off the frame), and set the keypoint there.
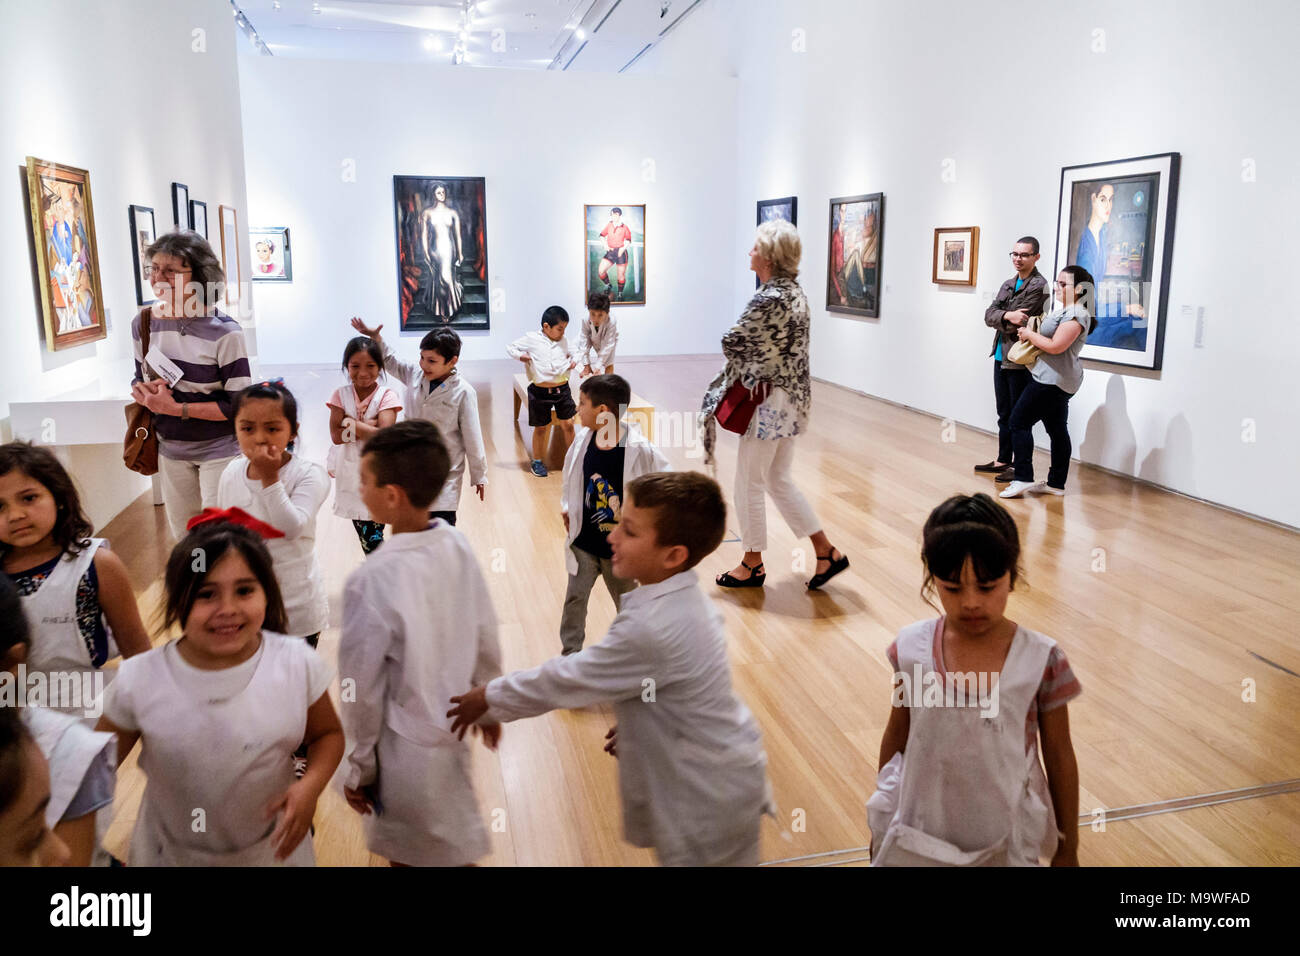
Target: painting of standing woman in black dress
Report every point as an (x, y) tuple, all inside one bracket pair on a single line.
[(441, 251)]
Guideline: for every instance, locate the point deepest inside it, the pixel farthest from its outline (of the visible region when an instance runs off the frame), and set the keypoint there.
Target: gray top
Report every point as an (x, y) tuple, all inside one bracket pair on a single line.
[(1064, 370)]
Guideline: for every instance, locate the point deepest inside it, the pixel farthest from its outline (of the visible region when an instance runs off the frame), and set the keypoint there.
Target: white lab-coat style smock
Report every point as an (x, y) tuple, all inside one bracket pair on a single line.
[(71, 749), (691, 766), (345, 459), (418, 629), (453, 407), (220, 742), (640, 458), (290, 506), (601, 340), (57, 646), (964, 792), (550, 360)]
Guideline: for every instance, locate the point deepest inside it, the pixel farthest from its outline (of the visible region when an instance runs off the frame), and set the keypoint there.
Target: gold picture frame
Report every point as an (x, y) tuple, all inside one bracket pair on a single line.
[(67, 254), (956, 256), (230, 251)]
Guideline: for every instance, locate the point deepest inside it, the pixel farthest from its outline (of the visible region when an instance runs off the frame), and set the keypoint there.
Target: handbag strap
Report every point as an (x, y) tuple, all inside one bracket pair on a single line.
[(144, 341)]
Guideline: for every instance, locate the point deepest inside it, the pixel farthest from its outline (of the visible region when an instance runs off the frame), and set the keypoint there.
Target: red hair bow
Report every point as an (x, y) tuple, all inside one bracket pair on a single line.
[(234, 516)]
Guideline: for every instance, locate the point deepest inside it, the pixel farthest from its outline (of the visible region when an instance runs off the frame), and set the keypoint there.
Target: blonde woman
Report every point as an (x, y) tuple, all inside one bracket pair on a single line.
[(769, 347)]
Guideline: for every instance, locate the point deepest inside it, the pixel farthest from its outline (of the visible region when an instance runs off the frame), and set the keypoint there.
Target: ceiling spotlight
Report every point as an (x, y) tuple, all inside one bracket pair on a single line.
[(315, 8), (580, 33), (663, 8), (275, 4), (431, 42)]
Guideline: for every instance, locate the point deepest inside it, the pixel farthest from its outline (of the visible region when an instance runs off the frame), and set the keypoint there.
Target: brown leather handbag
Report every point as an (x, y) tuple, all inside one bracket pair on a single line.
[(140, 447)]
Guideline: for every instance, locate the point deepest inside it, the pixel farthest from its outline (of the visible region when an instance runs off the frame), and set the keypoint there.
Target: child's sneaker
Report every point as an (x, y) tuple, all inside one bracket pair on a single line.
[(539, 469)]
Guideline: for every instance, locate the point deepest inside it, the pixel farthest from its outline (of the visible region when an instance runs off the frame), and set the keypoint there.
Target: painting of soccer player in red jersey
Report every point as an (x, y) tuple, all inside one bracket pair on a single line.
[(615, 252)]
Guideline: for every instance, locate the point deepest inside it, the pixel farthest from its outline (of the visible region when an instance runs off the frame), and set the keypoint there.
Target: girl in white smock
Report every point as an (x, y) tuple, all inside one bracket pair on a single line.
[(76, 594), (975, 695), (219, 712), (357, 411)]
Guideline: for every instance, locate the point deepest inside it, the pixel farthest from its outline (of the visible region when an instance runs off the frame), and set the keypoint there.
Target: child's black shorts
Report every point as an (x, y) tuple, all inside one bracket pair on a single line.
[(542, 400)]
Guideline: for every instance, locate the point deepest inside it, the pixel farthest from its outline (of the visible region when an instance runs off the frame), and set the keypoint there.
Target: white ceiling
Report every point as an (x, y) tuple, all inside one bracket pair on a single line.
[(513, 34)]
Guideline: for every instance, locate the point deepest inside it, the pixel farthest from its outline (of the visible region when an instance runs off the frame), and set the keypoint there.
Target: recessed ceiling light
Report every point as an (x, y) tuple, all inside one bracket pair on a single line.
[(581, 34)]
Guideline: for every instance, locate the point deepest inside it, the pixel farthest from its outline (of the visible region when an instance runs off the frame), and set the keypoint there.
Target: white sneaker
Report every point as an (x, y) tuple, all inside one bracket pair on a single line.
[(1017, 488), (1049, 490)]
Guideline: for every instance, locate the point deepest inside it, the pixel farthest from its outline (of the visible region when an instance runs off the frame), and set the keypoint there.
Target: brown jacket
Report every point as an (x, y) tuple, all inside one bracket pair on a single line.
[(1031, 298)]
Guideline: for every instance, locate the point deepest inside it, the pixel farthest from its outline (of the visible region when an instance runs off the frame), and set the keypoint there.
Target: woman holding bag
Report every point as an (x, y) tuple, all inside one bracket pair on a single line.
[(194, 362), (763, 394), (1056, 375)]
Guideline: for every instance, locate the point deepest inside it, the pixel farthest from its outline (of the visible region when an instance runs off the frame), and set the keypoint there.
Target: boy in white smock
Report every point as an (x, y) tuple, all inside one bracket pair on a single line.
[(438, 393), (692, 771), (418, 625)]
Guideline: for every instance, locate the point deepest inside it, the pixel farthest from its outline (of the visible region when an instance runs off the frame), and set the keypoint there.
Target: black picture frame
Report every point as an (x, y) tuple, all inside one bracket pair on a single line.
[(775, 205), (840, 296), (424, 301), (181, 205), (195, 205), (141, 239), (1127, 268)]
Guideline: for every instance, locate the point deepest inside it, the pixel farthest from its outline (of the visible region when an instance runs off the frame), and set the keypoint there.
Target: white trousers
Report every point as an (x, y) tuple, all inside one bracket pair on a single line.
[(763, 466), (188, 487)]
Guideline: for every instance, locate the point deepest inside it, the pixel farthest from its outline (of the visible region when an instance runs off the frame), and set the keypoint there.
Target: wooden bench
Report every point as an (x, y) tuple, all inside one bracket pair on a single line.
[(638, 410)]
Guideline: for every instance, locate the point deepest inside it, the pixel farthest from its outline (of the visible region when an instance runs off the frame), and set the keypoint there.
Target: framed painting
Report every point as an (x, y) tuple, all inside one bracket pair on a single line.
[(769, 209), (230, 251), (853, 267), (1116, 220), (442, 269), (787, 209), (613, 246), (199, 217), (142, 237), (67, 254), (181, 205), (956, 256), (272, 256)]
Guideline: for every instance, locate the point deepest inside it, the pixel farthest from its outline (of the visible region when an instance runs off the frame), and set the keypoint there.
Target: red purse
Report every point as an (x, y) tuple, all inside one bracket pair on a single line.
[(738, 405)]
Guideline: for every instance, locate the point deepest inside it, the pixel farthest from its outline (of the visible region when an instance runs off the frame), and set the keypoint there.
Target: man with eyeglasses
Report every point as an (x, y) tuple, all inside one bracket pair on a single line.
[(1020, 297)]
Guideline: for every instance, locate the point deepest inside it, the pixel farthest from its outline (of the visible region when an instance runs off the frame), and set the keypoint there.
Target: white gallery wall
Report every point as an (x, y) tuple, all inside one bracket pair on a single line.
[(325, 138), (841, 97), (140, 93)]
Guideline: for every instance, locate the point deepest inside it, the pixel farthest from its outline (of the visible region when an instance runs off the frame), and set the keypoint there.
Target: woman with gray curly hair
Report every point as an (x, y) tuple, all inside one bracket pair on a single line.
[(767, 352), (189, 335)]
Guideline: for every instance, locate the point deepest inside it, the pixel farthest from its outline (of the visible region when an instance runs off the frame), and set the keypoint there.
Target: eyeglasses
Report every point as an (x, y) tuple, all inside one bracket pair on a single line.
[(155, 272), (1022, 255)]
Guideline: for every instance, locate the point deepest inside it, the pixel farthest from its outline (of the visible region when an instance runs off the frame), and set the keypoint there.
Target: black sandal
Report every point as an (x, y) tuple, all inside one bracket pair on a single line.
[(837, 565), (755, 580)]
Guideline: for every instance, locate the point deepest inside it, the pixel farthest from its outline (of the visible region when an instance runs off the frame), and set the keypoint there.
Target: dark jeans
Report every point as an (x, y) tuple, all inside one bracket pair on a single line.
[(1051, 406), (1007, 386)]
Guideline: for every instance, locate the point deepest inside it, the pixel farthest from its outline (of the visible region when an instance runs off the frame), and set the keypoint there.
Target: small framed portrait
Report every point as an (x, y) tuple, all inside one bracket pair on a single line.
[(956, 256), (857, 239), (142, 237), (199, 217), (181, 205), (272, 254)]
